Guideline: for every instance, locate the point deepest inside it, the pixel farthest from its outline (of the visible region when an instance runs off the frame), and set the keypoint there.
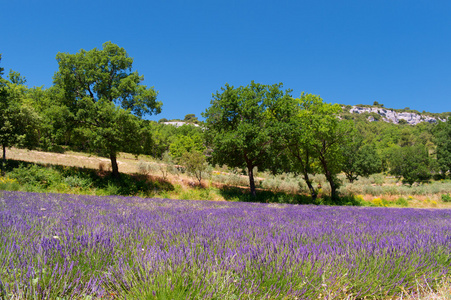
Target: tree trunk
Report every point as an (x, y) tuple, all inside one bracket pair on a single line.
[(250, 171), (310, 186), (114, 166), (330, 178), (305, 168), (351, 178), (3, 160), (333, 186)]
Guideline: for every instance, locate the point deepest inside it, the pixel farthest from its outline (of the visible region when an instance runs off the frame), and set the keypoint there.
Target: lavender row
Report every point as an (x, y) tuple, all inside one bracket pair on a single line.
[(71, 246)]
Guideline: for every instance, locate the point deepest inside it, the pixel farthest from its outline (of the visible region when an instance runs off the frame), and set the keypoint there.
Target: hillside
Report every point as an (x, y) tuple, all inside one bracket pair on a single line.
[(375, 113)]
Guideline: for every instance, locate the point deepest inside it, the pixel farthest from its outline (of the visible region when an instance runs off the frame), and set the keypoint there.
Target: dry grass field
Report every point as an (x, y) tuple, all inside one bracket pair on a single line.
[(386, 190), (127, 163)]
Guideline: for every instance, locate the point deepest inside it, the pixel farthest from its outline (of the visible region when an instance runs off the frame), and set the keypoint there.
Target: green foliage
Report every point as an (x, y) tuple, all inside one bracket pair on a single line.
[(58, 124), (410, 162), (324, 135), (34, 175), (446, 198), (37, 178), (191, 118), (359, 159), (94, 82), (442, 138), (402, 202), (186, 143), (241, 125), (176, 140), (19, 122), (195, 164)]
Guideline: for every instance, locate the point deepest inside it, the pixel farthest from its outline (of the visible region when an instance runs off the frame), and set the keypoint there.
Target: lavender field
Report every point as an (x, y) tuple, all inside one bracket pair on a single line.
[(56, 246)]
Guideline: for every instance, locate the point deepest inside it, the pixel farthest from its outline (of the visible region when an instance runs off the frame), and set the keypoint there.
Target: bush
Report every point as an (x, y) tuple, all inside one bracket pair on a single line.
[(446, 198), (143, 168), (402, 202), (77, 181), (36, 175), (286, 182)]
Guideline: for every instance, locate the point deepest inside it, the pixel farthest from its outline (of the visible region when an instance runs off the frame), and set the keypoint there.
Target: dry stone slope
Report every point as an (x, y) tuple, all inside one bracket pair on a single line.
[(392, 116)]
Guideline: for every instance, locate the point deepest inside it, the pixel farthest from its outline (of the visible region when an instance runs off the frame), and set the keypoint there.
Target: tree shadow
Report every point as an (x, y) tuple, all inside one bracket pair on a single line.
[(231, 193), (241, 194), (47, 175)]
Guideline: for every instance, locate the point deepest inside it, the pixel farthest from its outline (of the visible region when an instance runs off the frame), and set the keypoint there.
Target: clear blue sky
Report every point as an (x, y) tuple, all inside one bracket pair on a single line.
[(396, 52)]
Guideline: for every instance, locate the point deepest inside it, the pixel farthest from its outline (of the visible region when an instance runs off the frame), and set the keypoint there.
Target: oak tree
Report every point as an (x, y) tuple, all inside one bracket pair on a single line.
[(106, 97)]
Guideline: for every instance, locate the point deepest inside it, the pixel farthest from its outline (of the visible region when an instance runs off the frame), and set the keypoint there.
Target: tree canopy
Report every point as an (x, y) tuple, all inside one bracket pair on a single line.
[(106, 98), (240, 127), (18, 120), (443, 141)]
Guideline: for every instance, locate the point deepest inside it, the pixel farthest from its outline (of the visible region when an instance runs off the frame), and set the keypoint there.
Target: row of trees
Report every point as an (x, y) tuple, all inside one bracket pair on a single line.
[(97, 104), (263, 126)]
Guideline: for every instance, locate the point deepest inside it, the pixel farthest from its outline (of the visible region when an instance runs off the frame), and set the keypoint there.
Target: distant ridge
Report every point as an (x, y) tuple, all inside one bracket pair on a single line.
[(395, 116)]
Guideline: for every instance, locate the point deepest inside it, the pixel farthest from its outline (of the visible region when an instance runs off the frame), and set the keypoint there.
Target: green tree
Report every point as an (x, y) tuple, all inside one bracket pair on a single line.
[(195, 164), (297, 140), (106, 98), (186, 143), (412, 163), (326, 134), (114, 130), (241, 127), (442, 138), (191, 118), (19, 122), (359, 159)]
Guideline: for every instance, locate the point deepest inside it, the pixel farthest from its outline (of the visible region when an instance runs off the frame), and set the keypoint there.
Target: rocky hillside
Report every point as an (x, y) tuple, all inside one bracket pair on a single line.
[(392, 116)]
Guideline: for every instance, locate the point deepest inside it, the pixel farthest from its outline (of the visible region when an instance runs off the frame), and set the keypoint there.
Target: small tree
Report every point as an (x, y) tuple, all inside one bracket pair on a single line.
[(195, 164), (325, 135), (359, 159), (191, 118)]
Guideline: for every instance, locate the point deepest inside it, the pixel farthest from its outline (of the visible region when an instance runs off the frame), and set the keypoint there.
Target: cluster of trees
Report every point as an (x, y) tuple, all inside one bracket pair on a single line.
[(263, 126), (97, 104)]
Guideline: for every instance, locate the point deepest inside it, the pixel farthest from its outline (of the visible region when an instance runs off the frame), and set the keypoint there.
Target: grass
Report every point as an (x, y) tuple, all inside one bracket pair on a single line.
[(80, 173)]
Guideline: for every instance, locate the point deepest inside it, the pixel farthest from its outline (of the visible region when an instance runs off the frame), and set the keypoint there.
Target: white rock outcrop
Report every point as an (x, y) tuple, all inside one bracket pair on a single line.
[(392, 116)]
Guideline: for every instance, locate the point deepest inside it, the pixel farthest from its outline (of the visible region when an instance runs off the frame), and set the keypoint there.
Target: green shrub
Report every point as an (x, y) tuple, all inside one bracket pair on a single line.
[(36, 175), (446, 198), (402, 202), (77, 181), (379, 179)]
